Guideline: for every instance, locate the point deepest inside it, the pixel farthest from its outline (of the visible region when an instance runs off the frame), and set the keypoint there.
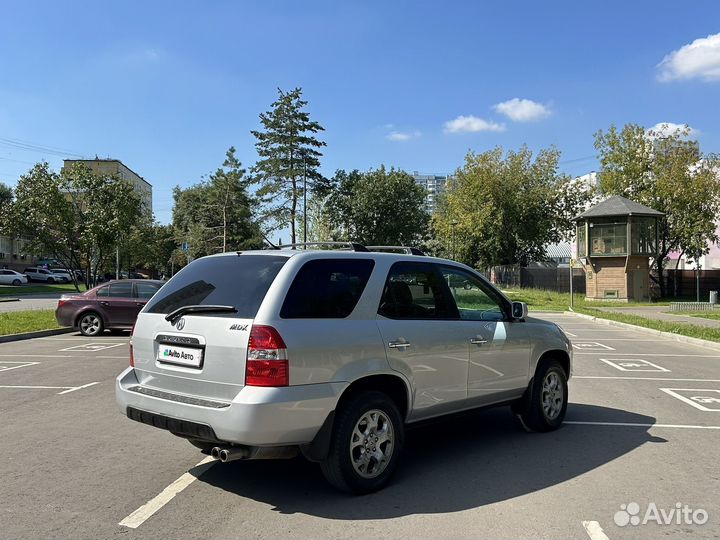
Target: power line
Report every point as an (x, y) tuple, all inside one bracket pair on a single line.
[(575, 160), (38, 148)]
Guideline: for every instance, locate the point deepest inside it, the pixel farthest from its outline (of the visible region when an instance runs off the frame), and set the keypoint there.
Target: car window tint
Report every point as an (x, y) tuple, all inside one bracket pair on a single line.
[(103, 291), (120, 290), (415, 291), (327, 289), (241, 281), (5, 272), (475, 300), (146, 290)]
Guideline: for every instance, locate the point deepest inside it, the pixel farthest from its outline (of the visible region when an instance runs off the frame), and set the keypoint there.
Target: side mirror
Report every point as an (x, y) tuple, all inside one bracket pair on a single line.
[(519, 310)]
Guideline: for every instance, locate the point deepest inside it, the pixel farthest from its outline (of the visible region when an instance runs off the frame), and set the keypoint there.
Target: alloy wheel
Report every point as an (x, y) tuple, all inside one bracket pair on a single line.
[(372, 444)]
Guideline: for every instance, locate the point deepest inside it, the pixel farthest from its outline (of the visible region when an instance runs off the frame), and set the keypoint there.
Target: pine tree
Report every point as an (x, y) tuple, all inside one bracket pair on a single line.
[(288, 150)]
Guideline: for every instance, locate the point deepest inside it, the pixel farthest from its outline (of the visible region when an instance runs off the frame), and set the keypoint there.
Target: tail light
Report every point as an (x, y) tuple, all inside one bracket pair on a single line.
[(267, 361), (132, 355), (62, 302)]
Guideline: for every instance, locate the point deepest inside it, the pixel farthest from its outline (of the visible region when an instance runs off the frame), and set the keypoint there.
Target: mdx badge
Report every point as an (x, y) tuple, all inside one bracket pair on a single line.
[(240, 327)]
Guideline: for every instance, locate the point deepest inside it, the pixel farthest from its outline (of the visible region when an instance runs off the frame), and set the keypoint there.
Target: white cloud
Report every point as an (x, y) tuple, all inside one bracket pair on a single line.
[(665, 129), (471, 123), (699, 59), (402, 136), (523, 110)]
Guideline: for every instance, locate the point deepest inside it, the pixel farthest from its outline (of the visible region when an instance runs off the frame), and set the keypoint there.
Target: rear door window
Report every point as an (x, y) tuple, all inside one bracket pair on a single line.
[(120, 290), (146, 290), (103, 291), (241, 281), (327, 289), (416, 291)]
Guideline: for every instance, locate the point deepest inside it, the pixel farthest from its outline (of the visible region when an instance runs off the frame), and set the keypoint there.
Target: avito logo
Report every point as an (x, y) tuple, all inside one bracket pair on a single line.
[(178, 354)]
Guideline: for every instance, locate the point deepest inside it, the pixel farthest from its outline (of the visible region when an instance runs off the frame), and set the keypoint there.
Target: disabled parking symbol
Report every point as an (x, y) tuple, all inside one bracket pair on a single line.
[(704, 399)]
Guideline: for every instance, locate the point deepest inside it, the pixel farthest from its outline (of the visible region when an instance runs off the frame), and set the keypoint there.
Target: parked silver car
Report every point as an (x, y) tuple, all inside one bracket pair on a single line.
[(264, 354)]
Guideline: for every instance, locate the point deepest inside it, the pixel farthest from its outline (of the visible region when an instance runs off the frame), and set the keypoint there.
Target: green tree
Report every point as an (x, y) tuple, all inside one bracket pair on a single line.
[(152, 248), (378, 207), (288, 152), (6, 196), (665, 171), (75, 217), (506, 208), (215, 215)]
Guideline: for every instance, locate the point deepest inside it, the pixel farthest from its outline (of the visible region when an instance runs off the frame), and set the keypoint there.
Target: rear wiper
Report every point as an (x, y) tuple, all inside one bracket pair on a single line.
[(197, 308)]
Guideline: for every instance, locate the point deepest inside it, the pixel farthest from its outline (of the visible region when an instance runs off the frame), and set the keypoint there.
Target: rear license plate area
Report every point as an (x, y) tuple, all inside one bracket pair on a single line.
[(179, 356)]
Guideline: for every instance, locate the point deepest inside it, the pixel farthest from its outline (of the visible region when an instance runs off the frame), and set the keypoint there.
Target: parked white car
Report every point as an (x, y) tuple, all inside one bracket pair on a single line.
[(43, 274), (11, 277), (62, 274)]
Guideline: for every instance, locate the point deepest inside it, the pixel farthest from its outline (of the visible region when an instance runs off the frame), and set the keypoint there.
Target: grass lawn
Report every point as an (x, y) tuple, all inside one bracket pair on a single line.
[(10, 290), (683, 329), (15, 322), (714, 315), (542, 300)]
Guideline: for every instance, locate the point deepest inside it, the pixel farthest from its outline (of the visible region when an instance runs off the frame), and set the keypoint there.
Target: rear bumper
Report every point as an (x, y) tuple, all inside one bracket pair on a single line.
[(64, 316), (257, 416)]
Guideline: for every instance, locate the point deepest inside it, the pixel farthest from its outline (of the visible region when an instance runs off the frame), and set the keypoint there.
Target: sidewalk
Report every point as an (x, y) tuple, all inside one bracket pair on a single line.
[(661, 313)]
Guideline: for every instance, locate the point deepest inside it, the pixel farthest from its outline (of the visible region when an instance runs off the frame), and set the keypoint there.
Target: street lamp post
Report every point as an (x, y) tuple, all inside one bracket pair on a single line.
[(452, 228), (304, 201)]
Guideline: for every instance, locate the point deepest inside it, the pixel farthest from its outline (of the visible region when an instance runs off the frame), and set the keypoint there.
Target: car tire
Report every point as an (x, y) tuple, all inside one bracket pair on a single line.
[(90, 324), (544, 404), (50, 281), (16, 282), (367, 423)]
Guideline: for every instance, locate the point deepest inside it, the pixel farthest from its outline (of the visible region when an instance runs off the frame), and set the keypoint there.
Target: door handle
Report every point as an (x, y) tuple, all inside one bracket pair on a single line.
[(139, 304), (478, 341), (398, 344), (104, 303)]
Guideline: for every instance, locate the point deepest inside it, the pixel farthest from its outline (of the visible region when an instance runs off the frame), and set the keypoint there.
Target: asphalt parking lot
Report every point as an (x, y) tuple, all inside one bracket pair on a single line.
[(643, 427)]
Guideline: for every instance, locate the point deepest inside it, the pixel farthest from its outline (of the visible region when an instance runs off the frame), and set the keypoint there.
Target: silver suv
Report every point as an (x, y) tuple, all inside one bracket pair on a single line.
[(330, 353)]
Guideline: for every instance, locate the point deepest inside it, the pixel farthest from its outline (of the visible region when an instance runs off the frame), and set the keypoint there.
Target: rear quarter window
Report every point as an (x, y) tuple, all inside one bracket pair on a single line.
[(240, 281), (327, 289)]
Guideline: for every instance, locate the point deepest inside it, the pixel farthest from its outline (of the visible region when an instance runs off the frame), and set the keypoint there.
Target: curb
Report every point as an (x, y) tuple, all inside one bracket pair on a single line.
[(9, 299), (31, 335), (669, 335)]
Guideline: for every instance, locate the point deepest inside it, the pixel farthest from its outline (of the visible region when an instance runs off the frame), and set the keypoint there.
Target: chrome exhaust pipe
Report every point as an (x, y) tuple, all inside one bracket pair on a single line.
[(233, 454), (215, 452)]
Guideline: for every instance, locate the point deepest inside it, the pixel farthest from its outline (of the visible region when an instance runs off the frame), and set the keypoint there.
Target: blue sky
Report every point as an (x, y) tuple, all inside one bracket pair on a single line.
[(167, 87)]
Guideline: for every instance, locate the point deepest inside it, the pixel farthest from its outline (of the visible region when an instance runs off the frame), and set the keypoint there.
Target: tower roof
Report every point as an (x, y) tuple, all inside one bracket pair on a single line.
[(618, 206)]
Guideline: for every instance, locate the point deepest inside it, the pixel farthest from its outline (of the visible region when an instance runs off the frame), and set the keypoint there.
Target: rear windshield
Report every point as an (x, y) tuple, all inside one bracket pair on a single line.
[(241, 281)]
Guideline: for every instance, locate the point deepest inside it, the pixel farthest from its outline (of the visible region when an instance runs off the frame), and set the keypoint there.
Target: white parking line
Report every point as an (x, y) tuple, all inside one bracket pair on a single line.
[(640, 378), (78, 388), (37, 356), (594, 530), (696, 401), (92, 347), (20, 365), (139, 516), (634, 364), (652, 354), (65, 389), (634, 424), (583, 345)]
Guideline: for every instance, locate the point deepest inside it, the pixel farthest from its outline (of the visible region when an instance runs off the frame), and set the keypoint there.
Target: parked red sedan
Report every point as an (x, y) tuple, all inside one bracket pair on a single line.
[(114, 305)]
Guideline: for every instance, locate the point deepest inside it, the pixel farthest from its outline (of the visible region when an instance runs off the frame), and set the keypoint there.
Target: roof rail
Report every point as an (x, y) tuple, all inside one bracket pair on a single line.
[(402, 249), (352, 246)]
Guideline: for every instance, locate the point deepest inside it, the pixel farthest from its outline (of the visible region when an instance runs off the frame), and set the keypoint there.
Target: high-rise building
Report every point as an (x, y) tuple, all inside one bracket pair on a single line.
[(117, 167), (435, 186)]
